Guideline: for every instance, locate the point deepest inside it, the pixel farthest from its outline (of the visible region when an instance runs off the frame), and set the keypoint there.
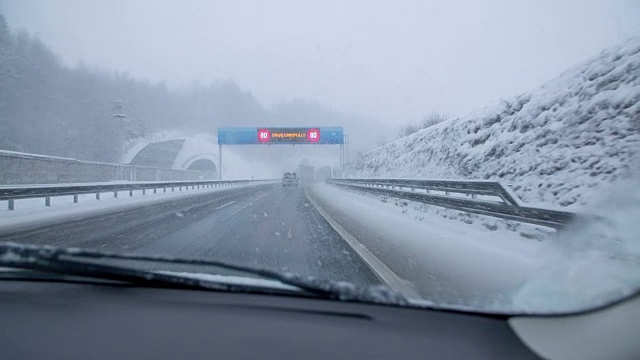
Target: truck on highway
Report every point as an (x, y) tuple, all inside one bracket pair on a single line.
[(306, 174)]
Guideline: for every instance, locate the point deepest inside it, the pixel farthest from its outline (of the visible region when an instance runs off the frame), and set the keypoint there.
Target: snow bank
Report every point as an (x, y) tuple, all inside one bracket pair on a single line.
[(560, 144)]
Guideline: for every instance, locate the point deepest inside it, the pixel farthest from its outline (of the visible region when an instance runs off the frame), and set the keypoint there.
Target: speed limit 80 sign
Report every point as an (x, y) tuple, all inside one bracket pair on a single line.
[(313, 135), (264, 135)]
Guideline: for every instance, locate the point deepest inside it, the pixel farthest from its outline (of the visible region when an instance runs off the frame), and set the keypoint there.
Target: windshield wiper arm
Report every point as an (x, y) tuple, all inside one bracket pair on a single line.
[(69, 261)]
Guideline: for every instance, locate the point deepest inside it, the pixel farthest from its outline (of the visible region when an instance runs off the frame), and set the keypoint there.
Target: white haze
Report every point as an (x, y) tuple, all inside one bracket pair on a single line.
[(390, 61)]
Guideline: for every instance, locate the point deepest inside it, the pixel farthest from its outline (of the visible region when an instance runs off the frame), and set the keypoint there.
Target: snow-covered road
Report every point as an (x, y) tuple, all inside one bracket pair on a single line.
[(427, 253)]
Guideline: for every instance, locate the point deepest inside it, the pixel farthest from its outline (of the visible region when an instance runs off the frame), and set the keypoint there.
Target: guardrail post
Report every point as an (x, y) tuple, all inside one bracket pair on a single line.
[(11, 204), (115, 194), (47, 201), (144, 191), (164, 189), (98, 196), (75, 198), (154, 191), (130, 192)]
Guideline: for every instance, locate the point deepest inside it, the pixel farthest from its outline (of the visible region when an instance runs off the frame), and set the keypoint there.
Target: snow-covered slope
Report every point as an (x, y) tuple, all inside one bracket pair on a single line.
[(559, 145)]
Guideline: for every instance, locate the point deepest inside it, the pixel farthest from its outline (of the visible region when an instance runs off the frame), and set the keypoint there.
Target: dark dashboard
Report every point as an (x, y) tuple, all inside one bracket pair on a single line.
[(61, 320)]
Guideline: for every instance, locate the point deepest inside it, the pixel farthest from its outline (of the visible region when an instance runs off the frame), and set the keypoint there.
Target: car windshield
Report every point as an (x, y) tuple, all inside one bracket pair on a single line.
[(476, 155)]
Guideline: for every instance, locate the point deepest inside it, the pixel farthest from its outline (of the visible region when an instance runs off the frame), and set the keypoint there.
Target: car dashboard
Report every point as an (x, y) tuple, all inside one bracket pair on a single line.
[(62, 320)]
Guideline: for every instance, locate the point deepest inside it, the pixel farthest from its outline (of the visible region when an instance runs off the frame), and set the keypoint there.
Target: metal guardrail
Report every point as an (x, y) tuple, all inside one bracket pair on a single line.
[(48, 191), (509, 207)]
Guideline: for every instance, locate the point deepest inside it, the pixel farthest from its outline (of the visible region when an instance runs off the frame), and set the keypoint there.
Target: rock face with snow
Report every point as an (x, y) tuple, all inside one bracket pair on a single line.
[(559, 145)]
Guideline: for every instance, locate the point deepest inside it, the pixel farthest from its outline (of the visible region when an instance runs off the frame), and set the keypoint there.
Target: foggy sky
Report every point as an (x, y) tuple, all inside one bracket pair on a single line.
[(391, 60)]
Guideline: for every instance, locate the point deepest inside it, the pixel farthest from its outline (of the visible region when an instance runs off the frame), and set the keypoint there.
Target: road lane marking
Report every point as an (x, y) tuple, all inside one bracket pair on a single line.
[(225, 205), (380, 269), (251, 202)]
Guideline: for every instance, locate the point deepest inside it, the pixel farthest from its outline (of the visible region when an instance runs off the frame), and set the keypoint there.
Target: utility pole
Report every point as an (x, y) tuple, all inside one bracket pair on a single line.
[(341, 158), (346, 143), (120, 117), (219, 161)]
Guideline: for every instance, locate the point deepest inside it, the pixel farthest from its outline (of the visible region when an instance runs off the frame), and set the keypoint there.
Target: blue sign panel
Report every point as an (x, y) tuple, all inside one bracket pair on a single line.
[(280, 135), (237, 136)]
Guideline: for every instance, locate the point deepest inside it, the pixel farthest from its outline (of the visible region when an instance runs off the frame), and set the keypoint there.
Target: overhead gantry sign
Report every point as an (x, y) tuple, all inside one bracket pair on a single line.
[(280, 136)]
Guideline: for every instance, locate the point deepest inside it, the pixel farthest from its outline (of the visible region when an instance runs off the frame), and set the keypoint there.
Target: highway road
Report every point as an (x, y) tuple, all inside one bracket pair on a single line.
[(262, 226)]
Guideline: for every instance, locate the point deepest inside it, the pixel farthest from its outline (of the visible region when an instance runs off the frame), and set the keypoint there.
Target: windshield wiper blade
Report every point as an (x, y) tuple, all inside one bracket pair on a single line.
[(69, 261)]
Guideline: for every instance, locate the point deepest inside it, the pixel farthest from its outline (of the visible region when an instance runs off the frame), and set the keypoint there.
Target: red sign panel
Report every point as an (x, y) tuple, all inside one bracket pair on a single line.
[(264, 135), (313, 135)]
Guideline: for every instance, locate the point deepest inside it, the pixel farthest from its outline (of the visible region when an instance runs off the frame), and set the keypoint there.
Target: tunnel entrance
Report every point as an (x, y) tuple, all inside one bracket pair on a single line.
[(203, 165)]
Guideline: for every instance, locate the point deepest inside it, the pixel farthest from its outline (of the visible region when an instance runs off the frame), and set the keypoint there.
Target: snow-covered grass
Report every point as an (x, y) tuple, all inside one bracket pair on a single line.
[(559, 145)]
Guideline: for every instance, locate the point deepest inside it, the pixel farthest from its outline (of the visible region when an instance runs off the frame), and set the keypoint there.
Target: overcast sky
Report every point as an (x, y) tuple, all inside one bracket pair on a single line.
[(391, 60)]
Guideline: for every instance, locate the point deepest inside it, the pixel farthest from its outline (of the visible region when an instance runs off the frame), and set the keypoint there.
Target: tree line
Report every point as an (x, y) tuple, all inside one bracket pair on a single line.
[(52, 109), (48, 108)]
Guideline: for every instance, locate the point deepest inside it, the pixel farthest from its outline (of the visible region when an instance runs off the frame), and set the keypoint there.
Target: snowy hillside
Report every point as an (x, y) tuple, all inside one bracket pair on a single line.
[(558, 145)]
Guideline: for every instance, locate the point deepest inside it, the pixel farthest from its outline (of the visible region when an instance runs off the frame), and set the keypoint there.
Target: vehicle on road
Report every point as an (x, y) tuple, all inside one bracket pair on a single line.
[(290, 179)]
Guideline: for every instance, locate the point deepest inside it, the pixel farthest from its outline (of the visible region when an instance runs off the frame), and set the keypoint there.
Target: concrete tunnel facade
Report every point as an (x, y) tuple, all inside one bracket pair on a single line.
[(177, 154)]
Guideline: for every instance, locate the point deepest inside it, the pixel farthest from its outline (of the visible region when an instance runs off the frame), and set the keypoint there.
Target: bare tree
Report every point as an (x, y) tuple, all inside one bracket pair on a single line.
[(407, 130), (427, 121), (432, 119)]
